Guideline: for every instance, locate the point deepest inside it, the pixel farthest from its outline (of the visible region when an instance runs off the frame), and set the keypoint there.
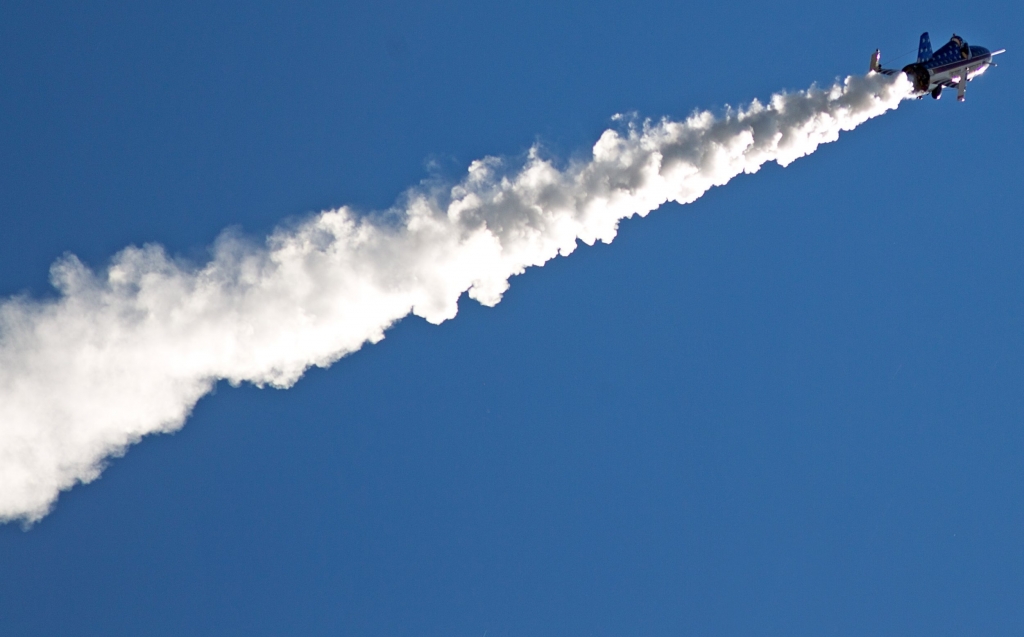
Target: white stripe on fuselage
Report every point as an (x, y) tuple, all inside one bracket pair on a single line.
[(974, 67)]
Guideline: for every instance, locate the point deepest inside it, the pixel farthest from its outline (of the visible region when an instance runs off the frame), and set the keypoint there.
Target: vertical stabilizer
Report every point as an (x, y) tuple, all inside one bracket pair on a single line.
[(924, 50), (876, 65)]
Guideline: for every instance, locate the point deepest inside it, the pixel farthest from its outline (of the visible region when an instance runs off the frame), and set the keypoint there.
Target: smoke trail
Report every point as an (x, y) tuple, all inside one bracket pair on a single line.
[(128, 352)]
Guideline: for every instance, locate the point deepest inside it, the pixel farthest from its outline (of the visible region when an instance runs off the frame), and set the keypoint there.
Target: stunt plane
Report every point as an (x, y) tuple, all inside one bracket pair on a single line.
[(952, 66)]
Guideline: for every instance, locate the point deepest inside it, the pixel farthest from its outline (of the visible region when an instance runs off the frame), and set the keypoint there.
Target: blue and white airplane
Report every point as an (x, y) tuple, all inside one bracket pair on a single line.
[(952, 66)]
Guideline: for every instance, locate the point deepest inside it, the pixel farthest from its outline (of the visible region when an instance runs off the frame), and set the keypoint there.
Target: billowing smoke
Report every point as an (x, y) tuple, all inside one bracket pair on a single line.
[(129, 351)]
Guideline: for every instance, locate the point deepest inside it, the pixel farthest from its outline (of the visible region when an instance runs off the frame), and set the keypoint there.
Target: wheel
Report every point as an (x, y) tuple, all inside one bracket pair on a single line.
[(937, 93)]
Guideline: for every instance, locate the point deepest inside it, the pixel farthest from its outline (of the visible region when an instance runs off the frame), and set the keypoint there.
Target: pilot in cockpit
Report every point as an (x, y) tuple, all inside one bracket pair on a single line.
[(965, 51)]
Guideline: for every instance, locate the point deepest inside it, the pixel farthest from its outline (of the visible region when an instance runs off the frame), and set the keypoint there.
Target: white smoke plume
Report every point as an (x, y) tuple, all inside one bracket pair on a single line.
[(129, 351)]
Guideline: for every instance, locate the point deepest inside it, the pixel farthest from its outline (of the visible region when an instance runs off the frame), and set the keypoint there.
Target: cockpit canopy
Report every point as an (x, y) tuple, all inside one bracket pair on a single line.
[(954, 50)]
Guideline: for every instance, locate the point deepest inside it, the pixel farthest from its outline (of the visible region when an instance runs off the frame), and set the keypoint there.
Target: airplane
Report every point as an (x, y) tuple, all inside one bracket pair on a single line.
[(952, 66)]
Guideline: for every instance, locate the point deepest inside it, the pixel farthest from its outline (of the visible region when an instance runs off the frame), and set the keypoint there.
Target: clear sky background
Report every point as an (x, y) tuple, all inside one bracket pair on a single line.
[(791, 408)]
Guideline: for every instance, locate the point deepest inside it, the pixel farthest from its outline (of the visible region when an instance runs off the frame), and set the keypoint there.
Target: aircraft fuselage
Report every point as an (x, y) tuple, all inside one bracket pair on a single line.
[(952, 66), (946, 72)]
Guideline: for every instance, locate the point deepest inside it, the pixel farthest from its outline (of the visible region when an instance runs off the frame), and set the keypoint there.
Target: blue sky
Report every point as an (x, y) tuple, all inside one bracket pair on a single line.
[(791, 407)]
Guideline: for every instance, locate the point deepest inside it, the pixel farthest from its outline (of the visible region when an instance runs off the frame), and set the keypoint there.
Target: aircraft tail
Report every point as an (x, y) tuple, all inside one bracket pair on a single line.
[(876, 64), (924, 50)]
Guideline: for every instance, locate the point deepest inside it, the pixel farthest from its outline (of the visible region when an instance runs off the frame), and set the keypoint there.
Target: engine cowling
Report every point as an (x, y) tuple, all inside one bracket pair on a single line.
[(918, 76)]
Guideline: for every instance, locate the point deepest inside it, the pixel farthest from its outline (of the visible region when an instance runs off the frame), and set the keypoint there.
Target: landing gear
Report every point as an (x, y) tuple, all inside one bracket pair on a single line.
[(937, 93)]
